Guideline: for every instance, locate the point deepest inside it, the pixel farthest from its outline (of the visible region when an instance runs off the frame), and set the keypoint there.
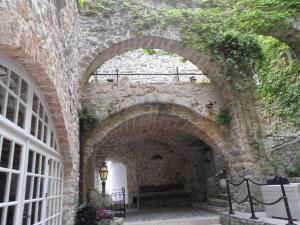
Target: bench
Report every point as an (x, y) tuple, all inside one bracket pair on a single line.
[(163, 195)]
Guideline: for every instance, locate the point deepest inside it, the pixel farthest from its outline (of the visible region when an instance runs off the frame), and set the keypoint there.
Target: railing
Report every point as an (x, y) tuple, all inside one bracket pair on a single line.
[(251, 198), (112, 200), (117, 207)]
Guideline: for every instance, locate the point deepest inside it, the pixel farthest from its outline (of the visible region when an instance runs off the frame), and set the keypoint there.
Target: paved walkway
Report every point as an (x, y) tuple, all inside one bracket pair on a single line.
[(178, 216)]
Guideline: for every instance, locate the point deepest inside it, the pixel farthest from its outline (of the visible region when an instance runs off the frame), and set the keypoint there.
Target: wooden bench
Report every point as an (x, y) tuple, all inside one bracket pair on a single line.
[(163, 195)]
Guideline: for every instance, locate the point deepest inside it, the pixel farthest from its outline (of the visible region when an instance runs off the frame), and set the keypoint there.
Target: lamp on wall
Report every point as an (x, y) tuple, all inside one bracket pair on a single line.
[(103, 176)]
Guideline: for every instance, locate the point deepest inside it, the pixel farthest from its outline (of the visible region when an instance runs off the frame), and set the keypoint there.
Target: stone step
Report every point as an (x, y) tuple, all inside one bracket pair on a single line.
[(217, 202), (212, 220), (162, 203), (223, 196)]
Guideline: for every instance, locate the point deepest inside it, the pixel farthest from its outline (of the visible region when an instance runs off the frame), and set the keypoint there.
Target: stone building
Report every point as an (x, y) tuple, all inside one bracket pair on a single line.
[(48, 51)]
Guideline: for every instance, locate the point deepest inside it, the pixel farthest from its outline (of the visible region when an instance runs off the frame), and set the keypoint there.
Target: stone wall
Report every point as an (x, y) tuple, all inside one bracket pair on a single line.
[(42, 36), (157, 62), (177, 165)]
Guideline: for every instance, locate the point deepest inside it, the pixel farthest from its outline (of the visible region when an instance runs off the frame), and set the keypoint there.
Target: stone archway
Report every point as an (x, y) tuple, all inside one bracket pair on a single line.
[(96, 57), (167, 124), (23, 44)]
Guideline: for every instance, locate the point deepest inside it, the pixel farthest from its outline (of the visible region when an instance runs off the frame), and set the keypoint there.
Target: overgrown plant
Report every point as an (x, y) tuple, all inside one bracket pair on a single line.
[(89, 117), (224, 117)]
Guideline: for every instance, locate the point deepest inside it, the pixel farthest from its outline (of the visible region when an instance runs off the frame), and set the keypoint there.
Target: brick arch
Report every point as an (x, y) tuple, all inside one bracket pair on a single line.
[(194, 124), (38, 74), (97, 57)]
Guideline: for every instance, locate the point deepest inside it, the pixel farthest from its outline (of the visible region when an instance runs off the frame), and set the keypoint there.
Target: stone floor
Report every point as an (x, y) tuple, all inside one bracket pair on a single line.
[(191, 216), (178, 216)]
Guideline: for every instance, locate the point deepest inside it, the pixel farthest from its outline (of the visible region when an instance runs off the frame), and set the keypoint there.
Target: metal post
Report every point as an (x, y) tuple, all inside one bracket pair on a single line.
[(229, 198), (103, 188), (253, 216), (124, 202), (286, 203)]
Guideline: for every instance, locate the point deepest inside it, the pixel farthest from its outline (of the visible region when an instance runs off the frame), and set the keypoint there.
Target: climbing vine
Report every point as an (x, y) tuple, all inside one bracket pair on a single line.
[(229, 31)]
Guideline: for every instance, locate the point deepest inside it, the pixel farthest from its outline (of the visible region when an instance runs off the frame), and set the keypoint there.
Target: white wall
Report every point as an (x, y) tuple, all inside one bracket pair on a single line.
[(117, 177)]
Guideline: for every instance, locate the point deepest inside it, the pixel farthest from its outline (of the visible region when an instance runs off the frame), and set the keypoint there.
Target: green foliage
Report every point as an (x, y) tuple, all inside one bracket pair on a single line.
[(82, 3), (297, 161), (293, 172), (279, 82), (149, 51), (86, 215), (89, 118), (224, 117)]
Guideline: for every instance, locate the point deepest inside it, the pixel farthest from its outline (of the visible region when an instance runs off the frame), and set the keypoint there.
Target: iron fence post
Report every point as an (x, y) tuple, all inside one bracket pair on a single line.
[(253, 216), (286, 203), (229, 198), (124, 202)]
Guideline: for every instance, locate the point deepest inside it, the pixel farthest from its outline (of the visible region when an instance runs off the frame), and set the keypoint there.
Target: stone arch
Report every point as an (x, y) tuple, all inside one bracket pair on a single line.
[(48, 90), (205, 129), (96, 57), (22, 45)]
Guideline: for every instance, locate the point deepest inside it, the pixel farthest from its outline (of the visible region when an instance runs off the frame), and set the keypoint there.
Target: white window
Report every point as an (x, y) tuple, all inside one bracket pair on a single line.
[(31, 168)]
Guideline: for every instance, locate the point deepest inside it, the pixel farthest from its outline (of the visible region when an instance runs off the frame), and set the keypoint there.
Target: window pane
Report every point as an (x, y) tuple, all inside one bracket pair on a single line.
[(33, 125), (2, 99), (28, 187), (3, 74), (43, 165), (25, 214), (21, 115), (3, 179), (10, 215), (45, 134), (6, 146), (13, 187), (41, 112), (30, 162), (40, 130), (40, 211), (17, 157), (35, 186), (35, 103), (24, 90), (32, 213), (37, 163), (51, 140), (14, 82), (46, 118), (11, 108), (41, 187)]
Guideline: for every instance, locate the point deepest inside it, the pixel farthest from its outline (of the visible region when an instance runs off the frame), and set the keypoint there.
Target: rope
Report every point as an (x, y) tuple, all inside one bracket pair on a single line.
[(239, 202), (267, 203), (238, 184), (258, 184)]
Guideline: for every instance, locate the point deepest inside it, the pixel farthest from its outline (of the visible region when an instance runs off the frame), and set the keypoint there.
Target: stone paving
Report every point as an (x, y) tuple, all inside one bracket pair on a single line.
[(166, 214)]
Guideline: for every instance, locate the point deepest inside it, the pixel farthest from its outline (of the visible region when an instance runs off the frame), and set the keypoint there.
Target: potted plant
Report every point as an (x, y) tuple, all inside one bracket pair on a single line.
[(86, 215), (104, 216)]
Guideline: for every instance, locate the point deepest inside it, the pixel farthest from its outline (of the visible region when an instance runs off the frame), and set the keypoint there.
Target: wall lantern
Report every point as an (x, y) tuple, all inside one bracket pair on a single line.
[(207, 155), (103, 175)]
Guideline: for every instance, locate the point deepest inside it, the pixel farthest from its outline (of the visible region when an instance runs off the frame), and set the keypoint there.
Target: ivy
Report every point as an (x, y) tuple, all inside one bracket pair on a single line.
[(89, 118), (279, 82), (224, 117)]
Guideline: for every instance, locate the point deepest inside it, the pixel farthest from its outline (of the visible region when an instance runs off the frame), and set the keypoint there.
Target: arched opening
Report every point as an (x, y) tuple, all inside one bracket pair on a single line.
[(117, 177), (181, 167)]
